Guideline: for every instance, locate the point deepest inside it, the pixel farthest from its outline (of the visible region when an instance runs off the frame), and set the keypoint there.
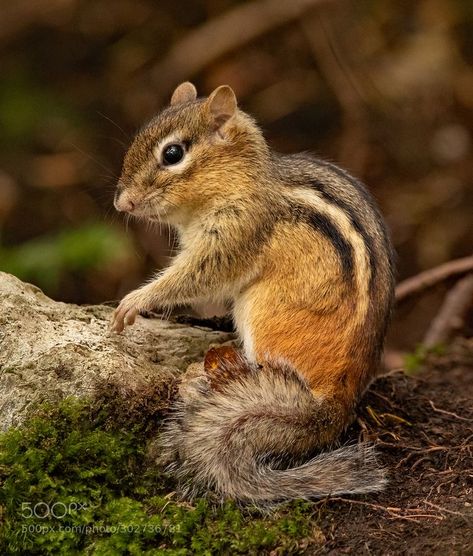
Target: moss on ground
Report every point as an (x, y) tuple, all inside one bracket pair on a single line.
[(72, 484), (415, 360)]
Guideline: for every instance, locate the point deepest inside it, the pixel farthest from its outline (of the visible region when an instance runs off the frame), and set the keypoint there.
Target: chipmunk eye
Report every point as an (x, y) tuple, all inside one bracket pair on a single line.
[(172, 154)]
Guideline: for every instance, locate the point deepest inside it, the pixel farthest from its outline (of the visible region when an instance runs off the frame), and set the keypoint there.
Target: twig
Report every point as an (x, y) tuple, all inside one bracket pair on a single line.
[(436, 409), (429, 278), (384, 398), (225, 33), (444, 509), (419, 451), (392, 512), (417, 516), (452, 313)]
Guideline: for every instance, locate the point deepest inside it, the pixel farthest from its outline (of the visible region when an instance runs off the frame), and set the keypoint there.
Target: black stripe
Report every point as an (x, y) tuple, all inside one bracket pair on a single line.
[(368, 198), (355, 221), (350, 210), (324, 225)]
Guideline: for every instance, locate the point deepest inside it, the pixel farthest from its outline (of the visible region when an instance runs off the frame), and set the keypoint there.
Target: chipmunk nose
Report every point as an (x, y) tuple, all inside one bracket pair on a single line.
[(123, 203)]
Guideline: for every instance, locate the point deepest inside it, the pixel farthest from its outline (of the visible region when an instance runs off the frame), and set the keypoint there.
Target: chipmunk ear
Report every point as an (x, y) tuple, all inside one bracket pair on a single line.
[(222, 104), (185, 92)]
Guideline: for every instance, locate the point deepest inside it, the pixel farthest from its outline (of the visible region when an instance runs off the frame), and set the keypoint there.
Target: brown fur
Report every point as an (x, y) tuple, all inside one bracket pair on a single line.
[(300, 249)]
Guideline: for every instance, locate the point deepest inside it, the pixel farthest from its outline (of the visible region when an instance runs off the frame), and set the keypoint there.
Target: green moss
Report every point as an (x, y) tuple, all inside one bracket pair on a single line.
[(46, 259), (71, 484), (416, 360)]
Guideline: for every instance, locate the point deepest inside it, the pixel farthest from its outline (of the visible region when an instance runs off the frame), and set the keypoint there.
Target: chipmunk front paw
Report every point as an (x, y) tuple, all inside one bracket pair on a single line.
[(130, 306)]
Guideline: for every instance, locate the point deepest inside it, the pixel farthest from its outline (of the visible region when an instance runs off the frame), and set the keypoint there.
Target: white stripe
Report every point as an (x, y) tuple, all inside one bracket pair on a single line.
[(342, 221)]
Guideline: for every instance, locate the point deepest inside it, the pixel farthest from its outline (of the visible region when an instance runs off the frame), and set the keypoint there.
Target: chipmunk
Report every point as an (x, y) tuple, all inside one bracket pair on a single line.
[(300, 250)]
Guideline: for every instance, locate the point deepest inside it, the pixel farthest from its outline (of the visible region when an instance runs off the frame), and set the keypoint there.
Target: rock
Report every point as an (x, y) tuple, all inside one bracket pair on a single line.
[(50, 350)]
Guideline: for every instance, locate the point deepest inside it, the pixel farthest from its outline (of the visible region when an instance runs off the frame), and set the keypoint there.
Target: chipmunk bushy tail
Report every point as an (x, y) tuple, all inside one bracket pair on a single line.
[(236, 439)]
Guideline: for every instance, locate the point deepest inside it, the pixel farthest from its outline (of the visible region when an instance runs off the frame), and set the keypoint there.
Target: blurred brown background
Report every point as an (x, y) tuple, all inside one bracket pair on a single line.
[(382, 87)]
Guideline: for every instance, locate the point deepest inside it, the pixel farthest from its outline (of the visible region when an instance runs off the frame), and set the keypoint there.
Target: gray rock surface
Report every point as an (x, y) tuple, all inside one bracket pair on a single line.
[(50, 350)]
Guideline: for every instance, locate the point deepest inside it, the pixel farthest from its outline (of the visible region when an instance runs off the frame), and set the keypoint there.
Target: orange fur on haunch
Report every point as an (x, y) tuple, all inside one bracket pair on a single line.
[(298, 247)]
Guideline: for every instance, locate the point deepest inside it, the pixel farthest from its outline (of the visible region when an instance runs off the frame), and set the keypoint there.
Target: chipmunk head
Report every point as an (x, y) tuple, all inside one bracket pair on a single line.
[(194, 152)]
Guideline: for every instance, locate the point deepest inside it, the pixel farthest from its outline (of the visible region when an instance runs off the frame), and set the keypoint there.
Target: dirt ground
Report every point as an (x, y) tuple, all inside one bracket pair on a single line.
[(424, 428)]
